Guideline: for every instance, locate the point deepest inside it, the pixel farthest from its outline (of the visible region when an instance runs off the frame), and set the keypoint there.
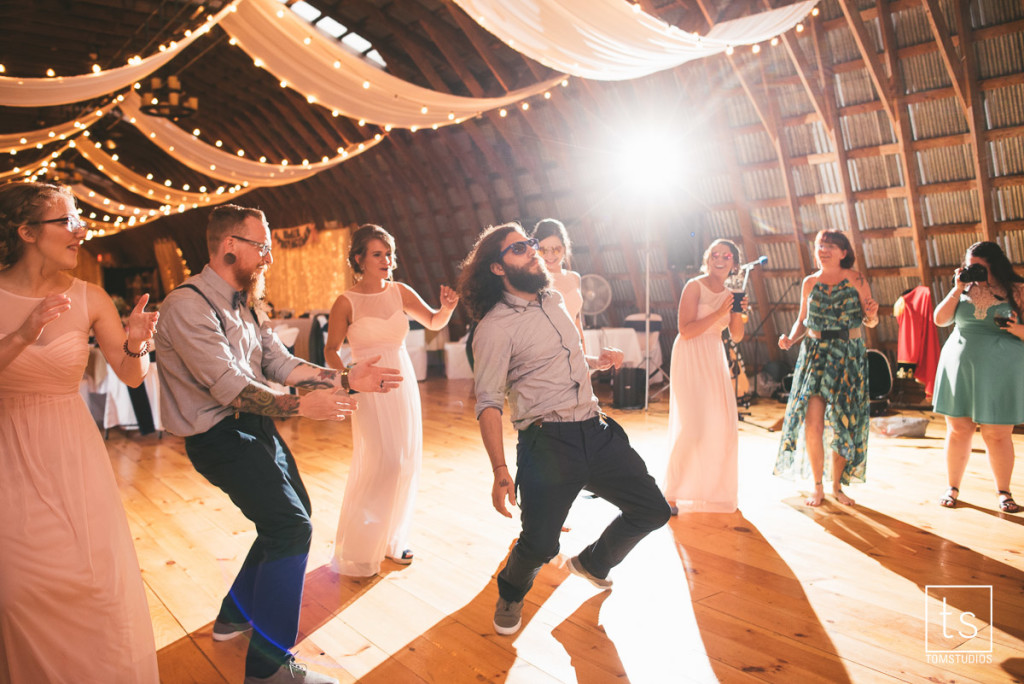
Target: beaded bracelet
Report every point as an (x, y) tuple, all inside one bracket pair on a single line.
[(142, 352)]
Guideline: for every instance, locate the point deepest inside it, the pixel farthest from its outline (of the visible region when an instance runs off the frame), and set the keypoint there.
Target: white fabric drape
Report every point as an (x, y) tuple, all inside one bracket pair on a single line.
[(609, 40), (47, 92), (218, 163), (144, 187), (279, 42), (113, 207), (43, 136)]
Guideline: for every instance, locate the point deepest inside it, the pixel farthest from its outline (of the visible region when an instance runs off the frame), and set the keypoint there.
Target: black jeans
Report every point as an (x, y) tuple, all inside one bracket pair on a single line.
[(249, 461), (555, 461)]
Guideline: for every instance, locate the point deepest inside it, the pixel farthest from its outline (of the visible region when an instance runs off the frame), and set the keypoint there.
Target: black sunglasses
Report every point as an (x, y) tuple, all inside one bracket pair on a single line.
[(519, 248)]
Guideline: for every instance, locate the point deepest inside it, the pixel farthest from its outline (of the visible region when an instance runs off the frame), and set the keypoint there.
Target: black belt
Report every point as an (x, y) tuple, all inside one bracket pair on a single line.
[(841, 334), (596, 420)]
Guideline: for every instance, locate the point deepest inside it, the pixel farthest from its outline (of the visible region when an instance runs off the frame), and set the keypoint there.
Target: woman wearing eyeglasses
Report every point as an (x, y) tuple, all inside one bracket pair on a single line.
[(556, 250), (387, 430), (72, 603), (828, 402), (702, 417)]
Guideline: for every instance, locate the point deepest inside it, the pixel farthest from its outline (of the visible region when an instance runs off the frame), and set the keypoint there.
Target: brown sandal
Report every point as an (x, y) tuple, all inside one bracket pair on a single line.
[(1008, 505), (948, 499)]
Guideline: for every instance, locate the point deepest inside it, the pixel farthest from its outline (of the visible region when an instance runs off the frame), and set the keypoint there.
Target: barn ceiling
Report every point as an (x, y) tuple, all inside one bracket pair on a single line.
[(900, 121)]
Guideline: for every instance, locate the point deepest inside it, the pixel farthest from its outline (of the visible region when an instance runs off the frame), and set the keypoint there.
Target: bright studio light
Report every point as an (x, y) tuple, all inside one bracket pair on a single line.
[(647, 164)]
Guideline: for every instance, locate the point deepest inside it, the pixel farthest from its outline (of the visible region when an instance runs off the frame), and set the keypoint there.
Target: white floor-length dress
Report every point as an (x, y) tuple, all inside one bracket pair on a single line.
[(387, 432), (703, 422)]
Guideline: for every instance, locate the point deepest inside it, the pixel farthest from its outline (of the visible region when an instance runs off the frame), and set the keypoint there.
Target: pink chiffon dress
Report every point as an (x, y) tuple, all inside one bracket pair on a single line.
[(703, 423), (387, 435), (72, 604)]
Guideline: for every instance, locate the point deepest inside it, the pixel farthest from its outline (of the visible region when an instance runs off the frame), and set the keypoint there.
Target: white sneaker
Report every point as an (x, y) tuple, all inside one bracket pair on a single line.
[(292, 673), (576, 568)]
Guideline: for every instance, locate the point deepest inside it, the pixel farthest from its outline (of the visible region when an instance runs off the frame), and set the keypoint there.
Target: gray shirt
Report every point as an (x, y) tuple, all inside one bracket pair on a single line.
[(530, 352), (203, 368)]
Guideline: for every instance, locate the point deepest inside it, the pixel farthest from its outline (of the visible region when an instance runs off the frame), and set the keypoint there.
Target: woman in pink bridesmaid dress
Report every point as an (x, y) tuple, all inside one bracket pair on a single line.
[(72, 605)]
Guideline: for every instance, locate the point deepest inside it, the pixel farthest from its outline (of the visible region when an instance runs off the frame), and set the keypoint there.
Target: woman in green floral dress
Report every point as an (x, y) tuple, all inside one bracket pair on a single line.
[(829, 397)]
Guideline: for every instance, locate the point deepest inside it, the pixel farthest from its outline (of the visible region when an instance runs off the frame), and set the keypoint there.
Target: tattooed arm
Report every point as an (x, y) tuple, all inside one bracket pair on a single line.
[(504, 486), (320, 404), (867, 302), (365, 376)]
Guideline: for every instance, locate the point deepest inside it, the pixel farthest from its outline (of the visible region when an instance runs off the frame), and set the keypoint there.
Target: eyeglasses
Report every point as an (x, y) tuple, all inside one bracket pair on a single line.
[(727, 256), (72, 223), (263, 247), (553, 251), (519, 248)]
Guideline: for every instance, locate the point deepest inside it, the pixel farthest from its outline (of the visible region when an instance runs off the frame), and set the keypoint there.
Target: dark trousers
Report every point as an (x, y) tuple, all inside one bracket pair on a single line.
[(555, 461), (249, 461)]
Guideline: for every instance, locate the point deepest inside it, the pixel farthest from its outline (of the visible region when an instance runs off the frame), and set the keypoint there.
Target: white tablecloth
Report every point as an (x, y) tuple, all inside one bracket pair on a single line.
[(625, 339), (113, 406)]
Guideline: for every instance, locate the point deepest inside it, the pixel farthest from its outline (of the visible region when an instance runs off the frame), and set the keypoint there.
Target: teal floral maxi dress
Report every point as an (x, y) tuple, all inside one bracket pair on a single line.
[(836, 370)]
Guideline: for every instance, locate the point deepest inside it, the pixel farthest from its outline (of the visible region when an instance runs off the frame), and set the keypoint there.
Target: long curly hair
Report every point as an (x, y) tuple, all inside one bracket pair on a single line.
[(479, 288), (361, 238), (1000, 268), (22, 203)]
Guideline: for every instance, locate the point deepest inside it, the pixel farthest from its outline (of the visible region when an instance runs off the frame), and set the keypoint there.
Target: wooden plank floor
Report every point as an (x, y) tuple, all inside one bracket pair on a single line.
[(774, 592)]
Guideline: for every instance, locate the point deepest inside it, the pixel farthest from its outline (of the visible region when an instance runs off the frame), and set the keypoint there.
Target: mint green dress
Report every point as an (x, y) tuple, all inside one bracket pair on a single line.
[(981, 367), (837, 371)]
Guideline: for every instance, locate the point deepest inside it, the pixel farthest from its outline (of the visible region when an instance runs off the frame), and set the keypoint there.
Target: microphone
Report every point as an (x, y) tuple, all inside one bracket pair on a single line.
[(760, 261)]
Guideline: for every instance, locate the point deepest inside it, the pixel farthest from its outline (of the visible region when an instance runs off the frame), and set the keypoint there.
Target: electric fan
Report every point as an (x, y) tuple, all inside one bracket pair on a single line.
[(597, 296)]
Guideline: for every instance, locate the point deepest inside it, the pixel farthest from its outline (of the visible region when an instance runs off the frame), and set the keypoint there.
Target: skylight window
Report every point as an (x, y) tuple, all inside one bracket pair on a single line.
[(331, 27), (306, 11), (338, 31), (357, 42)]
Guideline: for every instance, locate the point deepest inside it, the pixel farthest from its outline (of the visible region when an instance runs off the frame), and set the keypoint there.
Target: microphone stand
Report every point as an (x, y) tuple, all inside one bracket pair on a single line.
[(768, 315)]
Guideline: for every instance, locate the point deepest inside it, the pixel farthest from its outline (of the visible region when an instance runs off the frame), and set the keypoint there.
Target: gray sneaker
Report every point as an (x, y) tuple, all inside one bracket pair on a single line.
[(576, 568), (292, 673), (222, 631), (508, 616)]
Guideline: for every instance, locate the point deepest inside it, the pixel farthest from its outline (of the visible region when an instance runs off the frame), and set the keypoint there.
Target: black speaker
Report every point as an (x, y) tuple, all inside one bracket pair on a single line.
[(628, 388)]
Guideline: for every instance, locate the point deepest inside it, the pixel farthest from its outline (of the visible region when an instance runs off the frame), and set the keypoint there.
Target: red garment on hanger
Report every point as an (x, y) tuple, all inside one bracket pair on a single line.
[(918, 337)]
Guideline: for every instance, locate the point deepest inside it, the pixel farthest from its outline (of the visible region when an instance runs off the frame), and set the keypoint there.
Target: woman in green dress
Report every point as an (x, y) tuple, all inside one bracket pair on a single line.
[(980, 378), (828, 402)]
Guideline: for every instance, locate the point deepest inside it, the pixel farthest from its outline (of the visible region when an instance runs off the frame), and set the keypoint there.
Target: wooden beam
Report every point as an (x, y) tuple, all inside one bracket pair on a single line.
[(953, 62), (868, 53), (976, 120)]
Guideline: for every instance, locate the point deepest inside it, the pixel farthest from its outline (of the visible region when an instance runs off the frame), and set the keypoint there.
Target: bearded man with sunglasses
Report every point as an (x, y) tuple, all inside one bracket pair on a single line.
[(527, 350), (216, 356)]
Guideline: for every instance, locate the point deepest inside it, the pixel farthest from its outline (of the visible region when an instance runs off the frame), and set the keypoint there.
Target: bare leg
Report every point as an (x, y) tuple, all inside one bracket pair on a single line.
[(959, 433), (814, 429), (999, 442), (838, 466)]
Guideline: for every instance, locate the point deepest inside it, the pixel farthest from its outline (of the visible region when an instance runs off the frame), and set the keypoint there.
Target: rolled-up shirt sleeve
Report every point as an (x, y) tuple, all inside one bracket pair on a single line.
[(492, 352), (278, 363), (203, 349)]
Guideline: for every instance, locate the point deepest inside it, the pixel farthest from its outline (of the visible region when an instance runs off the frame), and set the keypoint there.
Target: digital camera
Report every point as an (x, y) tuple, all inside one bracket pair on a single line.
[(975, 273)]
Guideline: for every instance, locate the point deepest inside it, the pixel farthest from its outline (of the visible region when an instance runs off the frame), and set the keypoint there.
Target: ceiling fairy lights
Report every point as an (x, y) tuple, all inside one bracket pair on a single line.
[(187, 148), (324, 72), (16, 142), (60, 90)]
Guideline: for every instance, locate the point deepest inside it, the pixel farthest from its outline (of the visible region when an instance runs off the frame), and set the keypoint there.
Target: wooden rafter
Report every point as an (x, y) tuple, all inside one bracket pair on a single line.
[(953, 62), (881, 81), (976, 121)]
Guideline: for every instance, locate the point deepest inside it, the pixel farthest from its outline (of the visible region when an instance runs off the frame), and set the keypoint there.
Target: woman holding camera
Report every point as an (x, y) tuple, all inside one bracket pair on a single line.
[(830, 380), (981, 369), (702, 418)]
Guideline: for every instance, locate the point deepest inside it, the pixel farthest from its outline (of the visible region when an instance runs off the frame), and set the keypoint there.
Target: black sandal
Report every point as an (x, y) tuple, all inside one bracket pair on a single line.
[(948, 500), (1008, 505)]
